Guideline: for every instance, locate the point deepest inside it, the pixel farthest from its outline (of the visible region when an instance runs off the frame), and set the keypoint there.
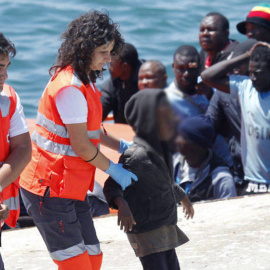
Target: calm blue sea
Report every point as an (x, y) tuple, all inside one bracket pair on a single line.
[(155, 27)]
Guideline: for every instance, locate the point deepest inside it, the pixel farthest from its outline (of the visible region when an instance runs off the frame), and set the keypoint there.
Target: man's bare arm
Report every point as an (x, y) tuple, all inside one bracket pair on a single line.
[(18, 158), (217, 75)]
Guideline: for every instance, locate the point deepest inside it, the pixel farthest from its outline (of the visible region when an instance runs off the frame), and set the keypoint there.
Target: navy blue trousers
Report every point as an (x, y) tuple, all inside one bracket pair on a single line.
[(166, 260)]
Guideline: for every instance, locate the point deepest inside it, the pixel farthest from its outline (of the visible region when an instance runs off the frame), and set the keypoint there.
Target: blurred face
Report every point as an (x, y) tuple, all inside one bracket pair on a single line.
[(101, 56), (186, 72), (4, 64), (257, 32), (116, 67), (192, 152), (211, 35), (259, 75), (150, 77), (167, 121)]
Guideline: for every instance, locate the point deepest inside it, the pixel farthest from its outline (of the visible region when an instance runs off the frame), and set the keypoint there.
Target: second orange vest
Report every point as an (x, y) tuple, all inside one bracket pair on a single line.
[(54, 164), (10, 194)]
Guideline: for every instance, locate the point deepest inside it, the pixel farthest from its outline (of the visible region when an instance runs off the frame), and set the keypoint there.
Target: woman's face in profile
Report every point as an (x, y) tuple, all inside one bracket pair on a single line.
[(101, 56)]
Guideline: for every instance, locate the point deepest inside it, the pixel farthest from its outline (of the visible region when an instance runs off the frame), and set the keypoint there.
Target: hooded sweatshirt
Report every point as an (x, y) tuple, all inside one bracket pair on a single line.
[(152, 199)]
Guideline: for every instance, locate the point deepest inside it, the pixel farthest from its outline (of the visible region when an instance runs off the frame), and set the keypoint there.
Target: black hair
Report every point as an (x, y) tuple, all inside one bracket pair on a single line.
[(129, 55), (224, 22), (7, 47), (261, 54), (160, 67), (82, 36), (187, 50)]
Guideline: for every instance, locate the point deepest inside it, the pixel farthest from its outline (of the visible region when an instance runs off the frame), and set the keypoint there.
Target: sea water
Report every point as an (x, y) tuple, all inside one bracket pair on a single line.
[(155, 27)]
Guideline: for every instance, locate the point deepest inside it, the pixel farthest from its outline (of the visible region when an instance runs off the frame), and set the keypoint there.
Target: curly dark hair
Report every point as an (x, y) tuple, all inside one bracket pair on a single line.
[(82, 36), (6, 46), (261, 54)]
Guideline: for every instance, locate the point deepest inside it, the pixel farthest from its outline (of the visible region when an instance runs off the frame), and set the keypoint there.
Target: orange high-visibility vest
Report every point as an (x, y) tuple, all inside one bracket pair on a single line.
[(54, 164), (10, 194)]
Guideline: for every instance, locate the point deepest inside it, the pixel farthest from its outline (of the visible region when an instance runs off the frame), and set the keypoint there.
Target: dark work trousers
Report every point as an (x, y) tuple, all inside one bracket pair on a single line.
[(166, 260), (66, 225), (1, 263)]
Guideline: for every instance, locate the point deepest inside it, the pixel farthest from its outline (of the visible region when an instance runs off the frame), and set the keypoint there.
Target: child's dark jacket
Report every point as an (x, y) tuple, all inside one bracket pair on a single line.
[(153, 198)]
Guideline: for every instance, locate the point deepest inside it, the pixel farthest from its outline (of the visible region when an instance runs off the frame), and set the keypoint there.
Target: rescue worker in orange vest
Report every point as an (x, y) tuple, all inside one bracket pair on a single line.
[(66, 144), (15, 143)]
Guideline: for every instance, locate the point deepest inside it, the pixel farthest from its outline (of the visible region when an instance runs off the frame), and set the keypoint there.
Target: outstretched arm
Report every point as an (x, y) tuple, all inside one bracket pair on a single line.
[(90, 153), (217, 75)]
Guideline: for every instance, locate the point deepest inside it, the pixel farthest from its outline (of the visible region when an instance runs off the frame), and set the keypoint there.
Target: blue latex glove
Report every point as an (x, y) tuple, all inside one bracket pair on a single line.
[(124, 145), (122, 176)]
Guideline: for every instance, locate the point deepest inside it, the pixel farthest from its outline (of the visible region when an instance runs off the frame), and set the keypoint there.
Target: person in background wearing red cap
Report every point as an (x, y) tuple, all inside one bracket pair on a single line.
[(257, 23)]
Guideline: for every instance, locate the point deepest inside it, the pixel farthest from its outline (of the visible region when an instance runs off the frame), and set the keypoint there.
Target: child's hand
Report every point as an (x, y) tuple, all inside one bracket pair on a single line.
[(125, 217), (188, 209), (4, 211)]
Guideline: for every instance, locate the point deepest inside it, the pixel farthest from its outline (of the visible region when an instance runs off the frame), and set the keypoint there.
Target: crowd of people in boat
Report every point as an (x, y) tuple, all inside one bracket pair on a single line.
[(203, 136), (225, 84)]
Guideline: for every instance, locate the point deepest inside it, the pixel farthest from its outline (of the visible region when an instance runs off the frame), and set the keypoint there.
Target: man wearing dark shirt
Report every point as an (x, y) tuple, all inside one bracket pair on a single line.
[(122, 84), (214, 39)]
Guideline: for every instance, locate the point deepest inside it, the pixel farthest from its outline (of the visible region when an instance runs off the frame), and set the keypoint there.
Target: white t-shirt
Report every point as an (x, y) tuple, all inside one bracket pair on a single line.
[(255, 129), (18, 124), (72, 106)]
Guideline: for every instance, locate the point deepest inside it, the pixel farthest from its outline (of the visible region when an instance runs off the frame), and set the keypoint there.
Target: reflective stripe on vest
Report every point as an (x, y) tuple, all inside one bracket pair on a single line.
[(59, 134), (4, 105), (61, 131), (93, 249), (76, 250), (13, 203)]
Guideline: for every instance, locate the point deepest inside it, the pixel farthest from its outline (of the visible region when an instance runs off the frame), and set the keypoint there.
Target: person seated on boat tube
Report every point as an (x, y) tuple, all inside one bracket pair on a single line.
[(152, 74), (147, 211), (257, 23), (200, 172), (122, 84), (183, 96), (215, 44)]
